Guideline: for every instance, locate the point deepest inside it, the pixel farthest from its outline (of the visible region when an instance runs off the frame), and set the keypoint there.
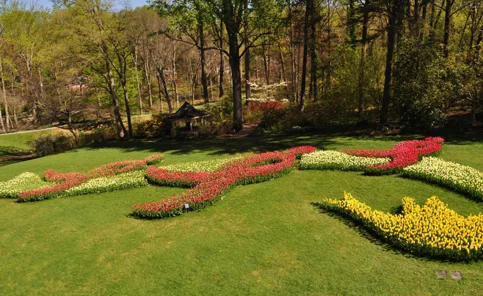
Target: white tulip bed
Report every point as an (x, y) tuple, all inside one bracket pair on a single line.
[(461, 178), (200, 166), (334, 160), (23, 182)]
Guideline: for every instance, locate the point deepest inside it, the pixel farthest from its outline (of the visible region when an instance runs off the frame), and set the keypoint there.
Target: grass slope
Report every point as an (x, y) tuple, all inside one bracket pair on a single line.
[(19, 143), (261, 239)]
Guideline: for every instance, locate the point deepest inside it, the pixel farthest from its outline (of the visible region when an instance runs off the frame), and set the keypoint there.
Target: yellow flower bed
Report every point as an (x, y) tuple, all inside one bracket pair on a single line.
[(432, 229)]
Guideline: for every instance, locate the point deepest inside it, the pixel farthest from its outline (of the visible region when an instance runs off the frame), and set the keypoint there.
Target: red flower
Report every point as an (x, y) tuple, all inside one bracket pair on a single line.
[(208, 187), (402, 154)]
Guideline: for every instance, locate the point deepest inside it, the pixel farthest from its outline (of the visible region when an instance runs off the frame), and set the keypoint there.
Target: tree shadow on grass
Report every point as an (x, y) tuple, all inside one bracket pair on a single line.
[(219, 146)]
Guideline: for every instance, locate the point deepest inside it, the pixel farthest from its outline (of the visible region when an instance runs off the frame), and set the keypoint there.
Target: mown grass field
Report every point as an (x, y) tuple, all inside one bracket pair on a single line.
[(19, 143), (262, 239)]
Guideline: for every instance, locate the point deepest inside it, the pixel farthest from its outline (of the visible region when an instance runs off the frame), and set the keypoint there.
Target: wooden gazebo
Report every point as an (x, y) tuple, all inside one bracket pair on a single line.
[(188, 114)]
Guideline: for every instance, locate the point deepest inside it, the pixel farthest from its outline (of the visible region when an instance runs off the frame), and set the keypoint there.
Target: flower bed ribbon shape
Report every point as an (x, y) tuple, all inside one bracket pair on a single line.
[(65, 181), (207, 187), (429, 230), (402, 154)]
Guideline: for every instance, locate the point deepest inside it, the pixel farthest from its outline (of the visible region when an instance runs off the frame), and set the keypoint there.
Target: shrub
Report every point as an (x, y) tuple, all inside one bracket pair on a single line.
[(424, 85), (155, 128), (53, 144)]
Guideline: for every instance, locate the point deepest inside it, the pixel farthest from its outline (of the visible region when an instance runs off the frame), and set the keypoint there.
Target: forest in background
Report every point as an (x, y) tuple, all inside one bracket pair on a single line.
[(408, 63)]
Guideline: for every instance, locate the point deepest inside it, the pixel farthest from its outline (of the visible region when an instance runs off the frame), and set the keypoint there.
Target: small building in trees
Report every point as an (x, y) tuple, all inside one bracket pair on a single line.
[(187, 114)]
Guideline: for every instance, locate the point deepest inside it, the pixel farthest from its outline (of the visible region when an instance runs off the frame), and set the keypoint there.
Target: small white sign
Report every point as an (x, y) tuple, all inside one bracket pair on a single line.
[(186, 206)]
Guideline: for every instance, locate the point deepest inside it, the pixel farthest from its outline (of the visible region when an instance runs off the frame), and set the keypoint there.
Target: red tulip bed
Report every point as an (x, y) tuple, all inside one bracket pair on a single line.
[(205, 188), (66, 181), (298, 151), (402, 154), (208, 187)]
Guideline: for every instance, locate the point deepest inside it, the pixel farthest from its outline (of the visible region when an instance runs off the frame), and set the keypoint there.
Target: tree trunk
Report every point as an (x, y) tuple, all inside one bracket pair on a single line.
[(247, 74), (165, 88), (391, 39), (128, 108), (72, 129), (135, 60), (365, 23), (328, 76), (41, 97), (12, 89), (424, 14), (293, 57), (174, 77), (283, 78), (204, 80), (121, 130), (308, 9), (4, 92), (313, 57), (447, 23), (1, 122), (266, 66), (161, 109), (192, 83), (236, 80), (351, 24), (221, 91), (147, 74)]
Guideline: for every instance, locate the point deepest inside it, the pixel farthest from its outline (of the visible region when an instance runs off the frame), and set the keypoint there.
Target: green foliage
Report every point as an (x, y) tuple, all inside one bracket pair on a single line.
[(220, 120), (53, 144), (424, 85), (153, 128), (316, 115)]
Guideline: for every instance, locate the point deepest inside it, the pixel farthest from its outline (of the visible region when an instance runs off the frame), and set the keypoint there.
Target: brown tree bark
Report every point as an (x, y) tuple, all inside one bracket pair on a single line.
[(447, 24), (394, 19), (221, 91), (308, 9)]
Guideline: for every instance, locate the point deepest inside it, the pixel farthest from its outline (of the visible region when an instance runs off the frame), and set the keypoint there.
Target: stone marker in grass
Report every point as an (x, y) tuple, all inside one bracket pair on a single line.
[(456, 275), (441, 274)]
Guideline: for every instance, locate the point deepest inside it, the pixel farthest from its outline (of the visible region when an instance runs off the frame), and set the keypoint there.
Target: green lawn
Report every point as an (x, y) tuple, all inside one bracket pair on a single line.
[(260, 239), (18, 144)]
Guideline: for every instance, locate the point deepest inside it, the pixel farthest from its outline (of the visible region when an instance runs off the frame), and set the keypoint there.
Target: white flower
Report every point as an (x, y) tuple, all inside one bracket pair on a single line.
[(104, 184), (334, 160), (455, 176), (23, 182), (200, 166)]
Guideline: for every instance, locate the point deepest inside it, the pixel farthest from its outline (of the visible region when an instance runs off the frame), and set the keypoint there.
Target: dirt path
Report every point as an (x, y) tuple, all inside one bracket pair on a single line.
[(32, 131), (246, 131), (18, 157)]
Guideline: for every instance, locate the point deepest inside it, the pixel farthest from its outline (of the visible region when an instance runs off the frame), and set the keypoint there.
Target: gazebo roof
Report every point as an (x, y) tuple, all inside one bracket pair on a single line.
[(186, 112)]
